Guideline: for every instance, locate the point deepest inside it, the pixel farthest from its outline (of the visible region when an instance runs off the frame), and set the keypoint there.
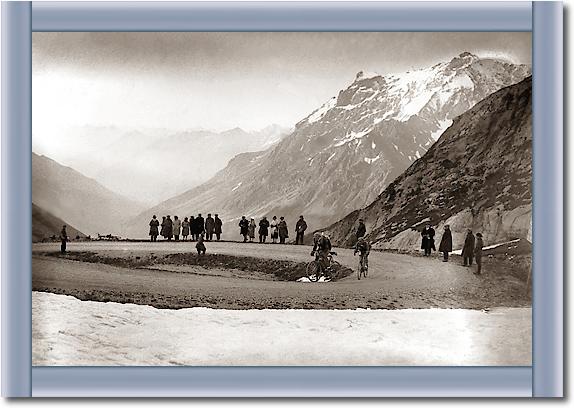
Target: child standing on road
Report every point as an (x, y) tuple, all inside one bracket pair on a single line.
[(251, 230)]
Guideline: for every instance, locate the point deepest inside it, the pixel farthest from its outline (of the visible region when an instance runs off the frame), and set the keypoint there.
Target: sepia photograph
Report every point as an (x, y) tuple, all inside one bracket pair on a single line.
[(281, 198)]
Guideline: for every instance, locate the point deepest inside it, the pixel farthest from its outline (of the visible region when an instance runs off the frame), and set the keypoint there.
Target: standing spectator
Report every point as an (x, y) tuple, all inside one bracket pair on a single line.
[(274, 229), (468, 248), (193, 228), (361, 229), (200, 246), (283, 230), (218, 226), (263, 230), (63, 239), (185, 228), (209, 227), (428, 239), (176, 227), (251, 230), (168, 228), (153, 228), (445, 245), (478, 253), (200, 225), (162, 232), (244, 227), (300, 228)]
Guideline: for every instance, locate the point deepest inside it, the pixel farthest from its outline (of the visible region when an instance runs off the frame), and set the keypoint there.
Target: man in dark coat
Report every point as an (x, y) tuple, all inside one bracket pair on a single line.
[(244, 227), (263, 230), (300, 228), (168, 230), (218, 225), (361, 229), (428, 239), (200, 224), (209, 227), (63, 239), (468, 248), (192, 228), (153, 228), (445, 245), (162, 231)]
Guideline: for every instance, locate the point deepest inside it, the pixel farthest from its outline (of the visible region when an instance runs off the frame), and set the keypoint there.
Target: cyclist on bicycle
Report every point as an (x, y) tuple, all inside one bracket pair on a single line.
[(364, 248), (322, 245)]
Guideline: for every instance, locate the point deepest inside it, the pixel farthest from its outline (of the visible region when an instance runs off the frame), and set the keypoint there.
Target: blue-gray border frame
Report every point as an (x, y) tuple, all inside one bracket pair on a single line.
[(19, 378)]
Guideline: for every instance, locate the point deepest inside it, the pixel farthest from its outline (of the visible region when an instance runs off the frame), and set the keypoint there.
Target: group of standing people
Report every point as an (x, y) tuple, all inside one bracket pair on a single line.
[(192, 227), (472, 245), (276, 228)]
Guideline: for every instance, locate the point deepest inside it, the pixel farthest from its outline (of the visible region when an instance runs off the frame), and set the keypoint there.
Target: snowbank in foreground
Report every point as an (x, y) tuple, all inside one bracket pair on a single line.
[(67, 331)]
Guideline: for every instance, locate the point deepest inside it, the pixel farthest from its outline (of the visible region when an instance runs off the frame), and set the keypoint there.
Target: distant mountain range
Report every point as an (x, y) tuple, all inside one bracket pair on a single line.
[(46, 225), (478, 175), (82, 202), (151, 165), (344, 154)]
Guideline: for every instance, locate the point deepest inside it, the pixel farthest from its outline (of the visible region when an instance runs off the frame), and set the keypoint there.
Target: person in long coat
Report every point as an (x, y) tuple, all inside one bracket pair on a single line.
[(185, 228), (153, 228), (263, 230), (209, 227), (162, 232), (218, 226), (251, 230), (468, 248), (63, 239), (283, 230), (200, 225), (244, 228), (176, 227), (168, 230), (428, 239), (192, 228), (274, 230), (445, 245), (300, 228)]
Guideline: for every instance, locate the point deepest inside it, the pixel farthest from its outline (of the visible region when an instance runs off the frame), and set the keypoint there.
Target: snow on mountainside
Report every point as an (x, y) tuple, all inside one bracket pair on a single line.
[(478, 175), (345, 153)]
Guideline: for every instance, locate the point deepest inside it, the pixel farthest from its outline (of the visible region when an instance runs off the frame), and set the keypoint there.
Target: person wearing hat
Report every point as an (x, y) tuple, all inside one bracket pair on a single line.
[(283, 230), (445, 245), (322, 246), (263, 230), (468, 248), (478, 253), (153, 228), (251, 229), (63, 239), (218, 226), (300, 228), (243, 227), (427, 243)]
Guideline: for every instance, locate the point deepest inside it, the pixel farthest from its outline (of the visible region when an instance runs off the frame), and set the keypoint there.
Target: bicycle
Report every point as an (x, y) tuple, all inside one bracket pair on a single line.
[(363, 268), (314, 269)]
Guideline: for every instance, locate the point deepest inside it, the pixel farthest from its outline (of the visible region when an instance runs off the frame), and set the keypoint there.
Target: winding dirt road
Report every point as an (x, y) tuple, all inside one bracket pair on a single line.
[(395, 281)]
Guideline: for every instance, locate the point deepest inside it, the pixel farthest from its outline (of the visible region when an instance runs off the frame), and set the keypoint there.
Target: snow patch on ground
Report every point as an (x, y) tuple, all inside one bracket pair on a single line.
[(67, 331), (372, 160), (459, 251), (237, 186)]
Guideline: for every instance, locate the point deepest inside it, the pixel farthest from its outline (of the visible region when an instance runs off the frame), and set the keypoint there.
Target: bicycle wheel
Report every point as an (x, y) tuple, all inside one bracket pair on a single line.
[(313, 271), (365, 267), (359, 270)]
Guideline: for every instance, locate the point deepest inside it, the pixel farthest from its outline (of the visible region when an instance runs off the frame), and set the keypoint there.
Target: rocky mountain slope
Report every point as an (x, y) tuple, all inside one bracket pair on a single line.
[(478, 175), (81, 201), (45, 225), (345, 153)]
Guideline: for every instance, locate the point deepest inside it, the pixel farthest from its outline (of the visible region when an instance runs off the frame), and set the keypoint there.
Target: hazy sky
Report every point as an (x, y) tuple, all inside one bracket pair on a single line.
[(223, 80)]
